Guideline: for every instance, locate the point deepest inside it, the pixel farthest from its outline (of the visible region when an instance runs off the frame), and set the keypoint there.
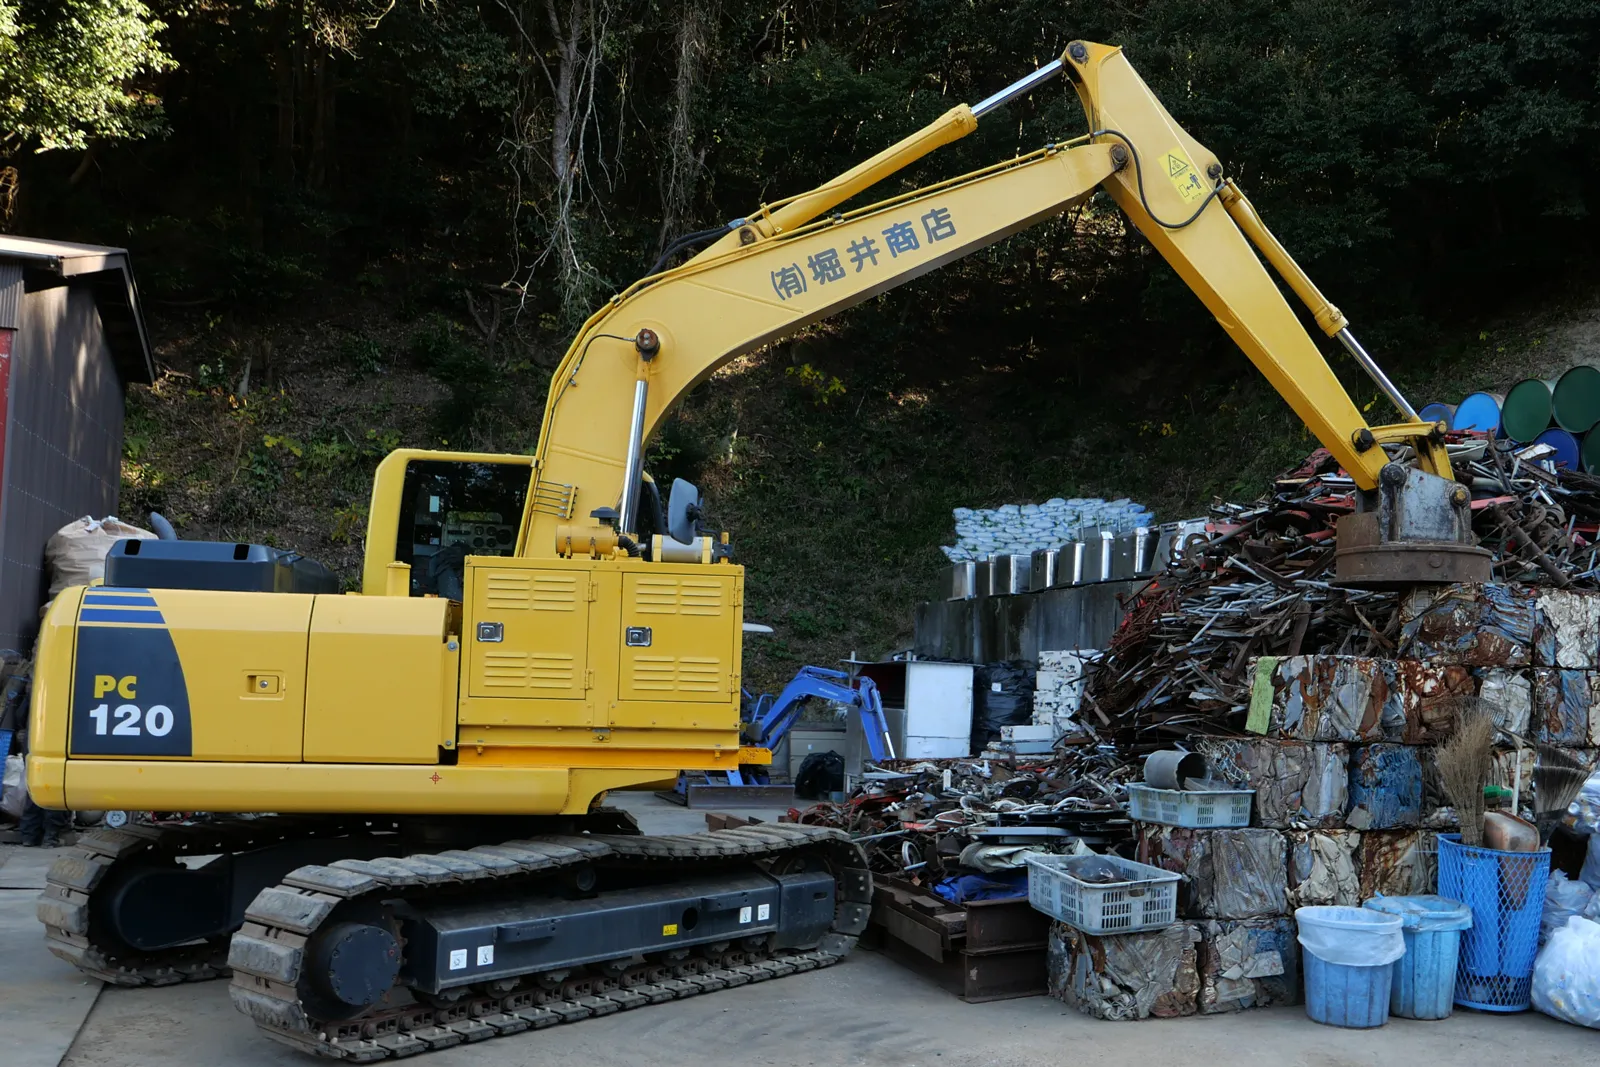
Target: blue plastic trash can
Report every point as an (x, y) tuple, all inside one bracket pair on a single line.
[(1349, 964), (1424, 982)]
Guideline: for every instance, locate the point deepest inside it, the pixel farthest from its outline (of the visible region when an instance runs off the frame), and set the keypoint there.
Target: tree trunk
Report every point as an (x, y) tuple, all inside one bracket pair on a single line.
[(683, 162)]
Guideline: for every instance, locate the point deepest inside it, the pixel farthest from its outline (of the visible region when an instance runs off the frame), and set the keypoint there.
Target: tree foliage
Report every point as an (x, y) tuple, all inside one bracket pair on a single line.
[(1419, 157), (76, 70)]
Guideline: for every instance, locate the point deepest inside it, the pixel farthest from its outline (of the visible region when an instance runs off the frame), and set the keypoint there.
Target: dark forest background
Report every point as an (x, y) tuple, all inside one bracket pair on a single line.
[(359, 224)]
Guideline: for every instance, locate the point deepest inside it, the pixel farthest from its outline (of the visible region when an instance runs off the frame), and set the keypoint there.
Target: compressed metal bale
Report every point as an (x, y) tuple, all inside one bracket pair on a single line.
[(1298, 784), (1229, 874), (1513, 768), (1563, 702), (1331, 698), (1508, 694), (1566, 631), (1488, 625), (1125, 976), (1398, 863), (1324, 867), (1385, 787), (1432, 695), (1252, 963)]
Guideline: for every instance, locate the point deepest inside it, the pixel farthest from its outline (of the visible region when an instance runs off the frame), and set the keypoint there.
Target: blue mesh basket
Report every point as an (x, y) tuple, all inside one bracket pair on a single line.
[(1505, 891)]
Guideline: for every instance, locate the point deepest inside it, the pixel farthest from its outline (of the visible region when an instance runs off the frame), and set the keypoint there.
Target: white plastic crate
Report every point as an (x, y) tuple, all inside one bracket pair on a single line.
[(1148, 900), (1188, 807)]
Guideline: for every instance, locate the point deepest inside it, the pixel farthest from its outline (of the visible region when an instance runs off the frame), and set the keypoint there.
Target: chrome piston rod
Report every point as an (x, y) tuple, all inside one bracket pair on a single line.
[(1018, 88), (633, 474), (1370, 365)]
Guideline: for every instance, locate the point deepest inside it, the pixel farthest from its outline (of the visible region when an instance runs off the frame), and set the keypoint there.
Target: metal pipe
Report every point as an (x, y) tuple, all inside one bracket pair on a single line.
[(1370, 365), (1018, 88), (633, 473)]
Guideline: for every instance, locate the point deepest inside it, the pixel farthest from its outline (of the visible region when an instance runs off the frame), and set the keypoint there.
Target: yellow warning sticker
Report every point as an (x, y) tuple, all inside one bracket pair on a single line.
[(1184, 177), (669, 930)]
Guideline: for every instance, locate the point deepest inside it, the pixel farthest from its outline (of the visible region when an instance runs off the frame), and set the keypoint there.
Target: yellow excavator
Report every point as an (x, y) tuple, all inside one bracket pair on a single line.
[(533, 631)]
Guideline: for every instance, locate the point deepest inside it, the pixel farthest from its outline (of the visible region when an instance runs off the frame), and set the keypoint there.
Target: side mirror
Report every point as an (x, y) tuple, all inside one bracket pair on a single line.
[(683, 511)]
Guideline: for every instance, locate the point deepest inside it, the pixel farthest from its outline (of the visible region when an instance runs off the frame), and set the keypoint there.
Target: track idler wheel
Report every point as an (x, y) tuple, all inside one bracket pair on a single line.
[(352, 965)]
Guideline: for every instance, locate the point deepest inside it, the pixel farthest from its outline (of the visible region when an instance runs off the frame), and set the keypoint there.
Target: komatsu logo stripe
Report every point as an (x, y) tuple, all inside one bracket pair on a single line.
[(97, 615), (131, 607), (120, 601)]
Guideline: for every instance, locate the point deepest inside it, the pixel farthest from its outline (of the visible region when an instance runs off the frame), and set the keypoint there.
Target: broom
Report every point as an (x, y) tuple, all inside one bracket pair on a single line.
[(1465, 761), (1557, 780)]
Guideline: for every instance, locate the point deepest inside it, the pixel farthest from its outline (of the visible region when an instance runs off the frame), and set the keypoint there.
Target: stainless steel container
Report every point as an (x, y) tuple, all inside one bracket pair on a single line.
[(961, 581), (1123, 561), (1146, 541), (1107, 565), (1009, 573), (1070, 563), (1043, 574), (981, 578)]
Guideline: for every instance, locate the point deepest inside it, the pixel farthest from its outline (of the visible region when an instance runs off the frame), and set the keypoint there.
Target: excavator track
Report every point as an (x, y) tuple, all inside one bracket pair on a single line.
[(66, 906), (270, 953)]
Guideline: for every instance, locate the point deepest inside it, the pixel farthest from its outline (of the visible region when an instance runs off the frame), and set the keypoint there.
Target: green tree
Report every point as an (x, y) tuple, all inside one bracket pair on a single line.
[(74, 70)]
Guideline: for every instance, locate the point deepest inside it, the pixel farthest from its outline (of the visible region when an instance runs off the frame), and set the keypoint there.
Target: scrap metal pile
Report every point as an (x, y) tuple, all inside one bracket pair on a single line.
[(961, 825), (1257, 584)]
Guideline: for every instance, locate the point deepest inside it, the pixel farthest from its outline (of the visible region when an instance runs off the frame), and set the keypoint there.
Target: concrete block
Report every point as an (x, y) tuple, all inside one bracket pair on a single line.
[(1298, 784), (1230, 874), (1566, 629), (1385, 787), (1324, 867), (1253, 963), (1125, 976), (1489, 625)]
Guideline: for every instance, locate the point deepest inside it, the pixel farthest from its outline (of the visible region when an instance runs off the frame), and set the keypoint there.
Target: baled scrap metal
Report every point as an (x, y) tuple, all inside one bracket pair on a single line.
[(1324, 867), (1563, 703), (1398, 863), (1230, 874), (1332, 698), (1385, 787), (1508, 695), (1125, 976), (1566, 630), (1298, 784), (1513, 767), (1488, 625), (1433, 695), (1249, 963)]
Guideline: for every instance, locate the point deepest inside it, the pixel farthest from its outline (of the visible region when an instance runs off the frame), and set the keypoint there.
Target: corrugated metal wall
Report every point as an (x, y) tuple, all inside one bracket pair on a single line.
[(63, 444)]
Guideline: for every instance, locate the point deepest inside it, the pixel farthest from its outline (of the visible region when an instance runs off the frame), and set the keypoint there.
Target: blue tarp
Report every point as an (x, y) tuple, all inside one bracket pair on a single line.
[(1001, 885)]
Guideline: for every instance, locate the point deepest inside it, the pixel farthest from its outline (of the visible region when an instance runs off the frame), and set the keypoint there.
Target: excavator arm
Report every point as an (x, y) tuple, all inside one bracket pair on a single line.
[(792, 264)]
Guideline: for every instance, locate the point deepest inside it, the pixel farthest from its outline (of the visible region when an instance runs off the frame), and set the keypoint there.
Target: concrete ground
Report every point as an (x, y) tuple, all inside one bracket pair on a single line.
[(867, 1010)]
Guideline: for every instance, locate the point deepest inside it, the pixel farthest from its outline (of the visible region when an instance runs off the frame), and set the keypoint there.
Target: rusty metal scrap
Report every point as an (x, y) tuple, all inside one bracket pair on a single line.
[(1229, 874), (1398, 863), (1248, 963), (1126, 976), (1324, 867), (1298, 784), (1256, 584), (932, 819)]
